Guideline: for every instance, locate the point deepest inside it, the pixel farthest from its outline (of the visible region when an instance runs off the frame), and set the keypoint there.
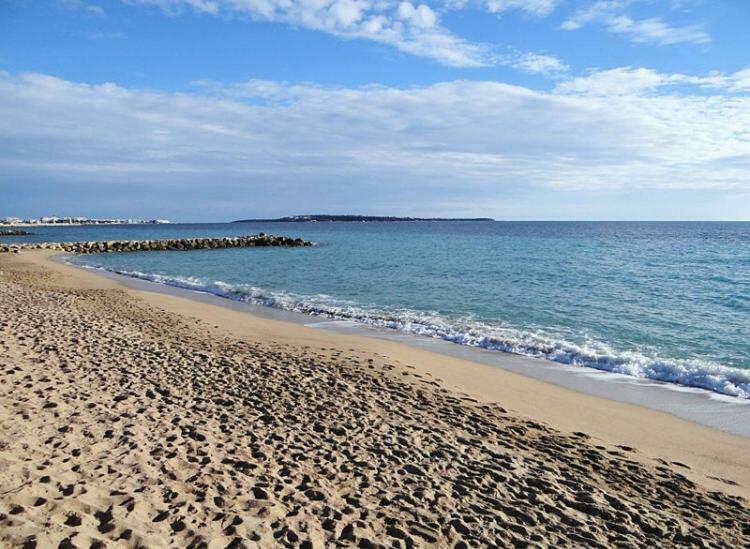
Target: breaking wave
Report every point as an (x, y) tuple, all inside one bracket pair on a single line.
[(468, 331)]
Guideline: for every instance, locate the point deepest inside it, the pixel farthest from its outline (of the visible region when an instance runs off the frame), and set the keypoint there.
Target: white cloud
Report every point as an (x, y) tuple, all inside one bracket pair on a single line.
[(656, 30), (420, 16), (620, 81), (611, 14), (539, 63), (533, 7), (413, 28), (640, 81), (599, 11), (80, 5), (203, 6), (311, 141), (737, 82)]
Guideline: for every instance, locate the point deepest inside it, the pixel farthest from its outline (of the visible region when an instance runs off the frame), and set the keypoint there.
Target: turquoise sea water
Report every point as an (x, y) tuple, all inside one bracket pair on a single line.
[(667, 301)]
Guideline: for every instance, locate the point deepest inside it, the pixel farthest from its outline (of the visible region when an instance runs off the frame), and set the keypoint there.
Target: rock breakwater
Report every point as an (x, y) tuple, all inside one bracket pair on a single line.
[(98, 247)]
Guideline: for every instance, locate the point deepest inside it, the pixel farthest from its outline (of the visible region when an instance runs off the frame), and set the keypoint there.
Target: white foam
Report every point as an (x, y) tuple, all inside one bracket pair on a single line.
[(694, 373)]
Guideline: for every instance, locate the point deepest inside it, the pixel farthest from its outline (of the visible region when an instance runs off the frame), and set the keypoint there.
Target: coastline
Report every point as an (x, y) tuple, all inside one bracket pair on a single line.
[(26, 225), (710, 452), (171, 410), (710, 409), (527, 318)]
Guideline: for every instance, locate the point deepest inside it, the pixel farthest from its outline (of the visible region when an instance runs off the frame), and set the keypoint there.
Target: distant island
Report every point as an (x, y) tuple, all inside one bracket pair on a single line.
[(355, 218)]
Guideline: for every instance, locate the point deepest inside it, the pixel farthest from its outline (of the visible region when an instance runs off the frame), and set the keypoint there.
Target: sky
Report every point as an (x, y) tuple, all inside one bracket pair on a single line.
[(212, 110)]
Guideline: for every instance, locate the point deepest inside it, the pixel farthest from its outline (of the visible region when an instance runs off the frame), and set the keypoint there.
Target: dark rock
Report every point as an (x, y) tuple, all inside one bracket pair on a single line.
[(172, 244)]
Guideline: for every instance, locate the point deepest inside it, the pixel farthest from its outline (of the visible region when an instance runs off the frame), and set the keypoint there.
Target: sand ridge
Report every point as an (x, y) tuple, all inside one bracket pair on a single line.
[(125, 425)]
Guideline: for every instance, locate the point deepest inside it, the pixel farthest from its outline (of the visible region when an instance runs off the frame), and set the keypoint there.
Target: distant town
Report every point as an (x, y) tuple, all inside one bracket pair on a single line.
[(54, 220)]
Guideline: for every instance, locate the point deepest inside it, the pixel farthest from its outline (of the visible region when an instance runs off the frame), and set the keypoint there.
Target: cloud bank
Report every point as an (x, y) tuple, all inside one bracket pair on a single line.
[(458, 137)]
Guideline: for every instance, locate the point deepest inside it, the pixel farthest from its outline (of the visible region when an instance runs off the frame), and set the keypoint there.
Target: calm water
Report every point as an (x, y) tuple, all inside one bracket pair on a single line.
[(668, 301)]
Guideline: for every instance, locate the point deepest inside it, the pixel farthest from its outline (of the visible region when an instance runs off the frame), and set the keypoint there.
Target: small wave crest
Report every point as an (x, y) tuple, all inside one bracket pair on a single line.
[(467, 331)]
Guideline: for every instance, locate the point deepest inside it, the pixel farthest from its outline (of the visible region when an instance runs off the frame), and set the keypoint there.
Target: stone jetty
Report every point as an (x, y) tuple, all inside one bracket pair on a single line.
[(98, 247)]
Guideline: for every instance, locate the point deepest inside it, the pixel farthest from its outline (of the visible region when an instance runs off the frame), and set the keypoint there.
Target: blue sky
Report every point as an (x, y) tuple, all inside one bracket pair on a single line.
[(515, 109)]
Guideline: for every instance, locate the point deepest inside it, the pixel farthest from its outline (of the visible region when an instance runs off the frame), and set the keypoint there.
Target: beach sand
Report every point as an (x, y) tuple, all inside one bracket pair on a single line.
[(133, 418)]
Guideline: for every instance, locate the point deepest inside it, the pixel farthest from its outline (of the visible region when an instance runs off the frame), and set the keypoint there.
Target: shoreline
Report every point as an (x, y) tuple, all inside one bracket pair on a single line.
[(702, 406), (140, 418), (85, 224), (659, 434)]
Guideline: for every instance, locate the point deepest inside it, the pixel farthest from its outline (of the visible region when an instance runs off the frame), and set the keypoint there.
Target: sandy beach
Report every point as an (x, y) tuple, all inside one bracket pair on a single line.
[(140, 419)]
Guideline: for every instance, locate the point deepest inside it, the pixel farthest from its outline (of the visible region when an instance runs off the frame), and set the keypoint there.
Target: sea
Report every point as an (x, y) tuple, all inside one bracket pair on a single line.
[(666, 301)]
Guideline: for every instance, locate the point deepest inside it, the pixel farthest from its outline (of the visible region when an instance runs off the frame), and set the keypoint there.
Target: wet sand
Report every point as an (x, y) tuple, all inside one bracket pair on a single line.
[(132, 418)]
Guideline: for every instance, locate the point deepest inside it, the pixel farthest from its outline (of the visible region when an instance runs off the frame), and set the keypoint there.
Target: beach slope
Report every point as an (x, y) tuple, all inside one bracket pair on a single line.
[(130, 418)]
